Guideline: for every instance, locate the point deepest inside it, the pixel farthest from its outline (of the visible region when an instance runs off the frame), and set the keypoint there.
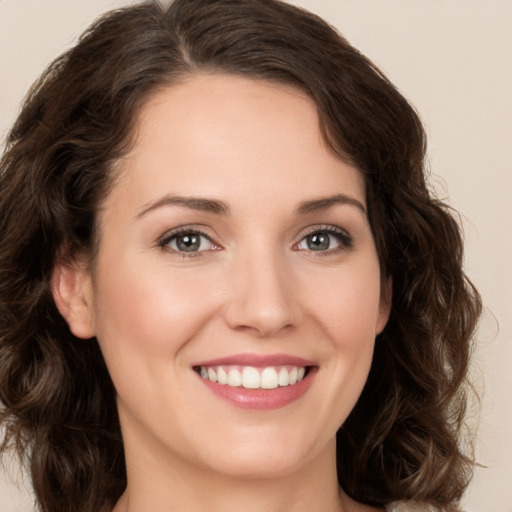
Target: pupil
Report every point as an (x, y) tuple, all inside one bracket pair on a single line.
[(188, 243), (318, 242)]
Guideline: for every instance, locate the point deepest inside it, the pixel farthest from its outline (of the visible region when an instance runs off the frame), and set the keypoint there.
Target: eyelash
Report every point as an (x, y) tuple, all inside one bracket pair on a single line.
[(345, 240), (168, 238)]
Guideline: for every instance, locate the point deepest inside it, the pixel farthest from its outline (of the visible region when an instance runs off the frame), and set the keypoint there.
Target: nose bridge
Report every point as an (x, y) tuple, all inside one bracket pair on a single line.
[(261, 299)]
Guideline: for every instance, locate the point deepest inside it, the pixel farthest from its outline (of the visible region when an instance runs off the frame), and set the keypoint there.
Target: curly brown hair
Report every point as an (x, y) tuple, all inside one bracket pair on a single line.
[(402, 440)]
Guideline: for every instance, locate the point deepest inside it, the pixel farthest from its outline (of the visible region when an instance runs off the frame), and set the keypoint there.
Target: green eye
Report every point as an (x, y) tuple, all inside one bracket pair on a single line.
[(319, 242), (190, 241), (324, 240)]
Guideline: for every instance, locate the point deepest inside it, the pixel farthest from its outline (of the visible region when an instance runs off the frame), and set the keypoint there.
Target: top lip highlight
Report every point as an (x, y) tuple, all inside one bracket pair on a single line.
[(257, 360)]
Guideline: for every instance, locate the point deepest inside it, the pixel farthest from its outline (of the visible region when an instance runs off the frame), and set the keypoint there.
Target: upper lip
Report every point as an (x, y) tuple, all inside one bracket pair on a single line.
[(257, 360)]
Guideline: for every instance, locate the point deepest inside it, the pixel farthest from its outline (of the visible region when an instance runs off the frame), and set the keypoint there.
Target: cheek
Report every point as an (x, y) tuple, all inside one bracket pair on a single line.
[(345, 307), (350, 315), (146, 315), (350, 305)]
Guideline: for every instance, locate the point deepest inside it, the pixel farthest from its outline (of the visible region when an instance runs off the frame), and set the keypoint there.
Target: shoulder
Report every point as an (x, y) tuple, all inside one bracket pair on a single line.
[(411, 506)]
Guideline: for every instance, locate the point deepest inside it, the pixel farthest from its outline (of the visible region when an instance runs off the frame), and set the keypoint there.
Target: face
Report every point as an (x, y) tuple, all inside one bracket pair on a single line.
[(236, 292)]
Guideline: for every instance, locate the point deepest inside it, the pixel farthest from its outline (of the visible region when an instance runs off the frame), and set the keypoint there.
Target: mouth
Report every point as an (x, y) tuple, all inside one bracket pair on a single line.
[(257, 382), (250, 377)]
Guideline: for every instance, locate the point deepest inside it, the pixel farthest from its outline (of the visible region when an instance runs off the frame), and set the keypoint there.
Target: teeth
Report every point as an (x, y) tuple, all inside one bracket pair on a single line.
[(283, 378), (269, 378), (254, 378), (234, 378), (222, 376), (250, 378)]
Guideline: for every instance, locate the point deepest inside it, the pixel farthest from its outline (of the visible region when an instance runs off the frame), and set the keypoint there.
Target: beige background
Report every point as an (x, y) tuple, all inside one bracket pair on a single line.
[(452, 59)]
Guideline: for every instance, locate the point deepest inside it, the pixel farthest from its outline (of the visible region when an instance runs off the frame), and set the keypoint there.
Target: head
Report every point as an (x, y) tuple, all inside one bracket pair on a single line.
[(64, 163)]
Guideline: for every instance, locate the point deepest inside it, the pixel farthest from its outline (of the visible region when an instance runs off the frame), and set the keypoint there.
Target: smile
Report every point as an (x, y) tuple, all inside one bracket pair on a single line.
[(257, 382), (250, 377)]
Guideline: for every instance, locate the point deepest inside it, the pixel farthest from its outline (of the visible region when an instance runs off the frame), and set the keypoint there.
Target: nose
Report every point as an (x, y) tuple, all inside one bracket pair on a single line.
[(263, 297)]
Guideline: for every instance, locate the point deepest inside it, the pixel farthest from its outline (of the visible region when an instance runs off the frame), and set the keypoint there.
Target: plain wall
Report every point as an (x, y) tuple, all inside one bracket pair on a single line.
[(453, 60)]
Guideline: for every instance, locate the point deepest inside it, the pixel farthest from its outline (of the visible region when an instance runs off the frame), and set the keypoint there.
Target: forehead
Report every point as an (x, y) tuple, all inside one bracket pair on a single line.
[(225, 108), (216, 135)]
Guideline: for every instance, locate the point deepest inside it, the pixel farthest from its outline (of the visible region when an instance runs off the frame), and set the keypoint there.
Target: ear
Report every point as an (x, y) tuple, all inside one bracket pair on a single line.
[(71, 286), (386, 300)]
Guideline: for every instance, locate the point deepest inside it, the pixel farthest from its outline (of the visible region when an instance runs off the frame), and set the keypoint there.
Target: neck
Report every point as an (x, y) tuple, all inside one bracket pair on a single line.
[(161, 480), (196, 490), (229, 495), (165, 484)]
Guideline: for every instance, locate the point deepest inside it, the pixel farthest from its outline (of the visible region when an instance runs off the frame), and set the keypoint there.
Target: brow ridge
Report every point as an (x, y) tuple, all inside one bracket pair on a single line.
[(325, 203), (220, 208), (194, 203)]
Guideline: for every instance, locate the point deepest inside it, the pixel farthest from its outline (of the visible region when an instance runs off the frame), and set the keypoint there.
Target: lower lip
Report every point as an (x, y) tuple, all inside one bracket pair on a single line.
[(261, 399)]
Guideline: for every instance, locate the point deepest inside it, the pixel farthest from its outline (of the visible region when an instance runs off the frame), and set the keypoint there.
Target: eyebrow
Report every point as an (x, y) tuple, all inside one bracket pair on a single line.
[(221, 208), (325, 203), (195, 203)]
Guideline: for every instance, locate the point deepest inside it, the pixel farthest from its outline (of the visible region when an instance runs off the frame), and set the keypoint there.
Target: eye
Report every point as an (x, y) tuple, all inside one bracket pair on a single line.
[(189, 241), (325, 240)]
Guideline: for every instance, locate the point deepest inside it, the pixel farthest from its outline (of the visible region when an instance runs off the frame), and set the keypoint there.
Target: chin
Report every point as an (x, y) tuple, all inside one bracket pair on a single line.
[(264, 465), (264, 455)]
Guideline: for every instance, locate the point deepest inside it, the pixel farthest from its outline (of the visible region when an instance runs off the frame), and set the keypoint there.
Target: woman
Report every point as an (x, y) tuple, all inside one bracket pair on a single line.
[(224, 282)]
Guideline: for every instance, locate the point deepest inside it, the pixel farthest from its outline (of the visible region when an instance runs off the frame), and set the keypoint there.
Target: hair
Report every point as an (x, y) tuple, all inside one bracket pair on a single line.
[(403, 438)]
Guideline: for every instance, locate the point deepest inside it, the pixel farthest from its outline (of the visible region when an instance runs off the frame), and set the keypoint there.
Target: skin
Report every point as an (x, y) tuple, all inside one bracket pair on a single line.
[(254, 287)]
